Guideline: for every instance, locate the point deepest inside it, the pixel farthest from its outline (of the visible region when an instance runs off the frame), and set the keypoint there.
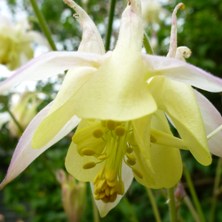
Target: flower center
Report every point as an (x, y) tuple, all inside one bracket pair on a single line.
[(110, 146)]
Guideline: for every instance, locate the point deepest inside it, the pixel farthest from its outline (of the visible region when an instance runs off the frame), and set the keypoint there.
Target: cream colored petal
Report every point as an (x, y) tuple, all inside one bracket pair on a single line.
[(179, 102), (166, 139), (131, 32), (183, 72), (113, 92), (74, 165), (166, 161), (91, 39), (212, 120), (48, 65), (164, 168), (84, 137), (143, 169), (24, 154), (167, 166), (50, 126), (69, 85)]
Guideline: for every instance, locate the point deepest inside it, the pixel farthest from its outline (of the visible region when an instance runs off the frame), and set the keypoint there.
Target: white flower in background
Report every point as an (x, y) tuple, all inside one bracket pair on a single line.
[(151, 10), (23, 107), (23, 110), (17, 42)]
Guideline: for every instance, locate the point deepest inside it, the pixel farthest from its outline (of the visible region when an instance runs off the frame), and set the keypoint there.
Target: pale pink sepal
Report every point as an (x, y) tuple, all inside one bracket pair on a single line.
[(212, 120), (127, 177), (183, 72), (24, 154), (49, 64)]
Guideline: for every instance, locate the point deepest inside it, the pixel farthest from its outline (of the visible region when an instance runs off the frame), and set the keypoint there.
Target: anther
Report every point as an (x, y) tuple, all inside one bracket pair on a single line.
[(110, 175), (120, 131), (98, 133), (112, 191), (129, 150), (111, 183), (111, 125), (89, 165), (131, 161), (100, 185), (87, 152)]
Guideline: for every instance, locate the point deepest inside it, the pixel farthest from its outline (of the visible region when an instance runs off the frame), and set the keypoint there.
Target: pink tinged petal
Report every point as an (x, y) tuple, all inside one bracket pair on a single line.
[(127, 177), (183, 72), (173, 34), (212, 120), (91, 39), (131, 31), (48, 65), (24, 154)]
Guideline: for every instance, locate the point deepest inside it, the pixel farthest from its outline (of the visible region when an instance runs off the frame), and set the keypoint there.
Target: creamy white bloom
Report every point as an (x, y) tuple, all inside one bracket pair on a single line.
[(121, 100)]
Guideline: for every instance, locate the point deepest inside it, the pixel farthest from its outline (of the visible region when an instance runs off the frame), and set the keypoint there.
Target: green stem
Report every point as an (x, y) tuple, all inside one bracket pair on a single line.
[(193, 194), (15, 121), (110, 24), (191, 208), (43, 24), (216, 186), (154, 205), (146, 43), (172, 205)]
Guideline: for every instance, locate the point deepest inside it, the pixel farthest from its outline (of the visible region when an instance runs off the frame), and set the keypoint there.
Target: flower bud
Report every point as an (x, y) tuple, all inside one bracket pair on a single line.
[(73, 196)]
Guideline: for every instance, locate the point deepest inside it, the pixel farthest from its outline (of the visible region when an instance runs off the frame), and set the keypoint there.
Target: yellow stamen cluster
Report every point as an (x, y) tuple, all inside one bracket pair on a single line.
[(113, 148), (108, 183), (107, 187)]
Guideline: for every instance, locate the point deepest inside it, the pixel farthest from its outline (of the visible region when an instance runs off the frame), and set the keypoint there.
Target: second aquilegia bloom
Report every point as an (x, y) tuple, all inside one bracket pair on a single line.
[(122, 98), (16, 42), (24, 109)]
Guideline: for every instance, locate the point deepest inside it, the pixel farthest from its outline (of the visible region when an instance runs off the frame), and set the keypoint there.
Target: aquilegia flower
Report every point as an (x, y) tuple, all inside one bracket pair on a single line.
[(16, 42), (24, 109), (151, 10), (122, 98)]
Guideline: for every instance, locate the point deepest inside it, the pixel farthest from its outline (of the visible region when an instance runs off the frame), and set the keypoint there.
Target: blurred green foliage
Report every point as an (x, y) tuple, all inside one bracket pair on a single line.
[(35, 196)]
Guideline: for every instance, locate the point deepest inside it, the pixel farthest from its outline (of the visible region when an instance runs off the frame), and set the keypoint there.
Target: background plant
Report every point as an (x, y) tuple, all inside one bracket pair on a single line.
[(35, 195)]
